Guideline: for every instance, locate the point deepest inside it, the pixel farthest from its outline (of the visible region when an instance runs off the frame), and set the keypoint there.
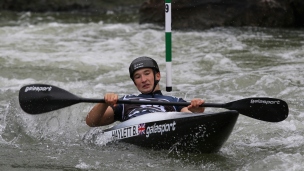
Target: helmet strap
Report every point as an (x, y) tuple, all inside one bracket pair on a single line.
[(155, 83)]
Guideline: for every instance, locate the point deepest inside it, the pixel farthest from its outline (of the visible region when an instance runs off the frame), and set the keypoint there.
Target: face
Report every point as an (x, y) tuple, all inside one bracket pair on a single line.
[(144, 79)]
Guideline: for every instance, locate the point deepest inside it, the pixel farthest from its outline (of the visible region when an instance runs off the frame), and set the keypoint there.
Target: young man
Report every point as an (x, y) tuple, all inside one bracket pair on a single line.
[(145, 74)]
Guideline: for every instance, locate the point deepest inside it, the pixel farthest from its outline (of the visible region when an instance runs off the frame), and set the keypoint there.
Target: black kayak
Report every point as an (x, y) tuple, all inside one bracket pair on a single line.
[(203, 133)]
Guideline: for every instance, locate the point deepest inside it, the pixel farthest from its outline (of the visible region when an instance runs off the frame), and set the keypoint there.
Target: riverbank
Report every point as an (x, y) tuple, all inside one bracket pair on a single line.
[(186, 14), (92, 6)]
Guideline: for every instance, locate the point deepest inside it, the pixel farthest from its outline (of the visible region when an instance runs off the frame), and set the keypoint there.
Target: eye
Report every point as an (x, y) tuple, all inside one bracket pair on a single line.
[(136, 76), (147, 72)]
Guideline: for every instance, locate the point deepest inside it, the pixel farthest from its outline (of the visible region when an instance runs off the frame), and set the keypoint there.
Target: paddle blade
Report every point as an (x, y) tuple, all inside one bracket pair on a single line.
[(41, 98), (266, 109)]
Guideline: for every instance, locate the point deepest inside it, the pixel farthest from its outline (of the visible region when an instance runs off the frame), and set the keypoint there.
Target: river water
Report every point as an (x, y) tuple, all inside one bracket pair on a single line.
[(89, 56)]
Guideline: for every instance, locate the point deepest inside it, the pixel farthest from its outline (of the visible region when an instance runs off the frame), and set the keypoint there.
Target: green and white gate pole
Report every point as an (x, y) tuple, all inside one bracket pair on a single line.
[(168, 45)]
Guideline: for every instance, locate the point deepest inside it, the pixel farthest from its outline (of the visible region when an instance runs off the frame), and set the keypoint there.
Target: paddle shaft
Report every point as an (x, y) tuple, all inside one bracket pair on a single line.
[(41, 98), (87, 100)]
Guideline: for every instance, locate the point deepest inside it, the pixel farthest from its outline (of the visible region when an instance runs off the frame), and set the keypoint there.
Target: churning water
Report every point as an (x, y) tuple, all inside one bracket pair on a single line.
[(91, 57)]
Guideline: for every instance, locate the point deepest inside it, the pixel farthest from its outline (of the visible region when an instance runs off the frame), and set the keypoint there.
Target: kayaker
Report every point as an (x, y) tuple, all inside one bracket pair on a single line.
[(145, 74)]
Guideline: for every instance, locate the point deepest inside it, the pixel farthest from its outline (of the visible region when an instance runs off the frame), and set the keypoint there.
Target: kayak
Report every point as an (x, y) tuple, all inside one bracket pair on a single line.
[(205, 132), (202, 133)]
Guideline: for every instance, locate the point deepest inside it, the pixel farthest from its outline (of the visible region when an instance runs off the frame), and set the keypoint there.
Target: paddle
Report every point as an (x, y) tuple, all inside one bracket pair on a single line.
[(41, 98)]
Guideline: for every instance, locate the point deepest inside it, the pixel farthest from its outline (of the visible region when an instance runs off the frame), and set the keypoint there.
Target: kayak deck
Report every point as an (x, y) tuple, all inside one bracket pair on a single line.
[(203, 133)]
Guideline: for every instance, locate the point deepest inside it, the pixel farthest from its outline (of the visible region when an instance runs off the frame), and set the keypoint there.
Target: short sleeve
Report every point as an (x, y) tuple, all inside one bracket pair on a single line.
[(117, 112), (179, 108)]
